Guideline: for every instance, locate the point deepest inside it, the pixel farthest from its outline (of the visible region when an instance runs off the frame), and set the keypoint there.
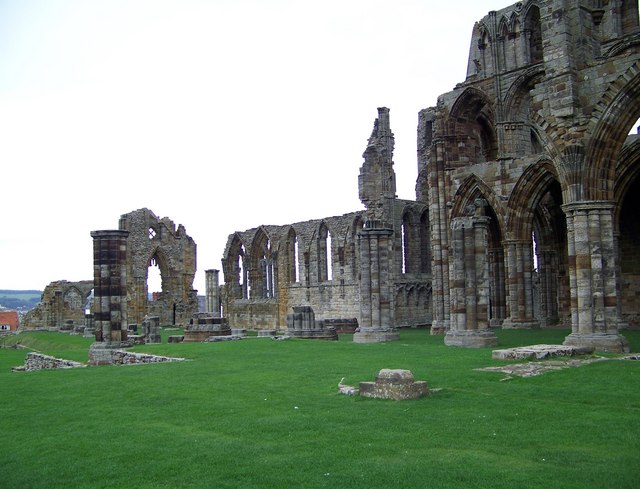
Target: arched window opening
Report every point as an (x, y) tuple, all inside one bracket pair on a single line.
[(534, 245), (324, 254), (268, 272), (404, 248), (296, 261), (154, 279), (534, 35), (329, 257)]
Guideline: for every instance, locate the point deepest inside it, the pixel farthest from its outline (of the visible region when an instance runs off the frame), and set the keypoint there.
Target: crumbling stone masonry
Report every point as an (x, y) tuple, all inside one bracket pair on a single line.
[(526, 199), (531, 180), (302, 324), (270, 269), (157, 242), (61, 301)]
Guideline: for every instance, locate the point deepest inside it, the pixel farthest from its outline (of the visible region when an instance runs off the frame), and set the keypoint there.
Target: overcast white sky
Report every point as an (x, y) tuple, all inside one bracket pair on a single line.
[(221, 115)]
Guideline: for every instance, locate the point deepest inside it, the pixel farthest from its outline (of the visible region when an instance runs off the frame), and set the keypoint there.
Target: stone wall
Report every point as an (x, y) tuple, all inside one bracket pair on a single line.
[(263, 282), (157, 242), (61, 301), (38, 361)]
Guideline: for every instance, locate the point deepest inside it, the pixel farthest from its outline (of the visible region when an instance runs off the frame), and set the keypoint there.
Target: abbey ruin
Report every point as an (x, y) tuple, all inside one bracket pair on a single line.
[(150, 241), (528, 182), (525, 199)]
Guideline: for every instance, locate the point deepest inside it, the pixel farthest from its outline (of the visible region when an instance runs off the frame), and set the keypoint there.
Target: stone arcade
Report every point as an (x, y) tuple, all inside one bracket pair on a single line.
[(525, 199)]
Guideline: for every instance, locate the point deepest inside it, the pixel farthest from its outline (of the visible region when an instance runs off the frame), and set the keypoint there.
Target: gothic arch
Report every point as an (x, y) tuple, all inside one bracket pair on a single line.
[(290, 253), (73, 298), (473, 118), (262, 266), (609, 125), (533, 31), (519, 90), (234, 266), (324, 251), (471, 189), (151, 237), (627, 171), (526, 196), (410, 236)]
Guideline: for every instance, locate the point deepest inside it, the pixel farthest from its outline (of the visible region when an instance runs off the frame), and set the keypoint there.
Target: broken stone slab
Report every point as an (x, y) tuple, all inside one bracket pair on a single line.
[(394, 384), (533, 369), (215, 339), (175, 339), (540, 352)]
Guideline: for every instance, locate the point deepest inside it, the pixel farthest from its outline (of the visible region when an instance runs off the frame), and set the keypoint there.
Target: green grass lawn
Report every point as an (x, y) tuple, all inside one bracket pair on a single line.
[(259, 413)]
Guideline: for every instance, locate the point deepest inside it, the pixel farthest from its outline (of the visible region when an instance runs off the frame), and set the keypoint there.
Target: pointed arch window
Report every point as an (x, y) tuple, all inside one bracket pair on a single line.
[(325, 262)]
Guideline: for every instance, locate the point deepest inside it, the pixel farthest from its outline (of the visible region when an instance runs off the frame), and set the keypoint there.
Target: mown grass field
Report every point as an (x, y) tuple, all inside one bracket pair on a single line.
[(259, 413)]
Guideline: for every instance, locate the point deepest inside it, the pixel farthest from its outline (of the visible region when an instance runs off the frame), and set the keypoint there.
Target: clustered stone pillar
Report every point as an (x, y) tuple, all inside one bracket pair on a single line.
[(469, 288), (110, 293), (497, 287), (376, 295), (520, 283), (212, 291), (439, 240), (592, 277), (547, 271)]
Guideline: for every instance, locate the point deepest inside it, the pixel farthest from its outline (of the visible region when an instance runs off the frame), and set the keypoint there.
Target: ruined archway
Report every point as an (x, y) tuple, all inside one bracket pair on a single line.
[(537, 225), (610, 123), (472, 120), (627, 231), (155, 241)]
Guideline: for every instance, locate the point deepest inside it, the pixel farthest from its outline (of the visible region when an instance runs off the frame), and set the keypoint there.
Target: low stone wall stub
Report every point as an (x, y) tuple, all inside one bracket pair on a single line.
[(38, 361)]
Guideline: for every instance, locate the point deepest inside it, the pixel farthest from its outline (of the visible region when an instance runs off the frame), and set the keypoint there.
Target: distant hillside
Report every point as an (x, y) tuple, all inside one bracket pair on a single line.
[(19, 300)]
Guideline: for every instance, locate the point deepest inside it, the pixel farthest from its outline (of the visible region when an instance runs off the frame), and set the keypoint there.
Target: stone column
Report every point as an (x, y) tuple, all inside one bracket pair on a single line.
[(497, 287), (110, 293), (212, 292), (469, 284), (520, 283), (376, 294), (593, 277), (548, 273), (439, 241)]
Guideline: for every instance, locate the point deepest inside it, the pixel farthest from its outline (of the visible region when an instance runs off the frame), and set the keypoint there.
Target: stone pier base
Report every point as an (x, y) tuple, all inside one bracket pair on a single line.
[(102, 352), (394, 384), (605, 342), (376, 336), (471, 339)]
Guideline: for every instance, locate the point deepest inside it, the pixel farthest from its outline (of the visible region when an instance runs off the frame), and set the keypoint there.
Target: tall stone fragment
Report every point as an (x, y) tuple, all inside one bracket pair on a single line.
[(377, 189), (212, 284)]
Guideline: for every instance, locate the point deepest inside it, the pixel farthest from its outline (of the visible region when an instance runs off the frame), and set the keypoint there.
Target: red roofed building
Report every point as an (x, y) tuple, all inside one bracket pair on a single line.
[(9, 321)]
